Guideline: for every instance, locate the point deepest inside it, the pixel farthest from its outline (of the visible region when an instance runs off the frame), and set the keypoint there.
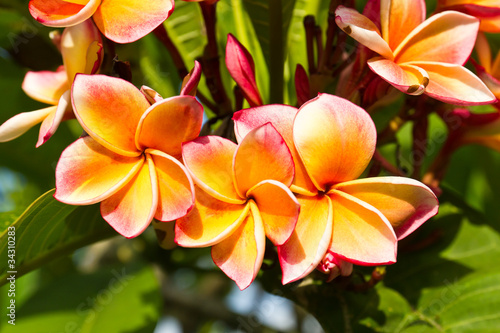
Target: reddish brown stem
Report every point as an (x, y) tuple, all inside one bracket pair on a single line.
[(309, 24)]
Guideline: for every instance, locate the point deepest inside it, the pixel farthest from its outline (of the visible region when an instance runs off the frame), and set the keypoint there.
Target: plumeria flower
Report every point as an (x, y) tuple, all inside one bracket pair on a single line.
[(420, 56), (356, 220), (81, 50), (242, 197), (122, 21), (129, 162), (488, 11), (488, 69)]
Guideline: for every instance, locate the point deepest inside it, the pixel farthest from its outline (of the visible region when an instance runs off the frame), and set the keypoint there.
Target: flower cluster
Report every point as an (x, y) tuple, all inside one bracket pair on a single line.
[(297, 176)]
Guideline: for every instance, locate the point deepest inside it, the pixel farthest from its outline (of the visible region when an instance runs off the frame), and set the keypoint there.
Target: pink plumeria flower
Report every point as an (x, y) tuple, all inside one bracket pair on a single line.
[(357, 220), (129, 162), (420, 56), (81, 49), (122, 21)]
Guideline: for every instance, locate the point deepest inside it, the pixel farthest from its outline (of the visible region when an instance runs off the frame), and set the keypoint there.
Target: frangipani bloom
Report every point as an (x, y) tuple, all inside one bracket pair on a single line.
[(242, 197), (359, 221), (81, 51), (417, 55), (129, 160), (488, 11), (122, 21)]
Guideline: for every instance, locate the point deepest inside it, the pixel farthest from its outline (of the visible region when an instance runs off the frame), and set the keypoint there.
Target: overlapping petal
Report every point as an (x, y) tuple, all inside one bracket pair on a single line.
[(109, 110), (210, 221), (405, 202), (209, 160), (46, 86), (446, 37), (398, 18), (262, 155), (278, 207), (361, 234), (53, 119), (281, 116), (60, 13), (335, 139), (455, 84), (308, 243), (175, 187), (130, 210), (125, 21), (88, 173), (22, 122), (168, 123), (363, 30), (240, 255), (408, 79)]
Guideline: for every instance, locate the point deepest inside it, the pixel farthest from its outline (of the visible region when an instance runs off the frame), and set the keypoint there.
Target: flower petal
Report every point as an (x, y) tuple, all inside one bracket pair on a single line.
[(483, 51), (363, 30), (210, 221), (109, 110), (335, 139), (447, 37), (190, 81), (406, 78), (59, 13), (130, 210), (262, 155), (455, 84), (240, 255), (278, 207), (168, 123), (239, 63), (21, 123), (75, 42), (125, 21), (51, 123), (46, 86), (88, 173), (484, 134), (398, 18), (361, 234), (307, 246), (175, 187), (281, 116), (405, 202), (151, 95), (209, 160)]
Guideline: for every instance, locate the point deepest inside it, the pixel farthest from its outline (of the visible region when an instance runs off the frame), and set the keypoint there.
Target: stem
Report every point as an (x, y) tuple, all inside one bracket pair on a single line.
[(384, 163), (161, 33), (276, 51), (309, 28)]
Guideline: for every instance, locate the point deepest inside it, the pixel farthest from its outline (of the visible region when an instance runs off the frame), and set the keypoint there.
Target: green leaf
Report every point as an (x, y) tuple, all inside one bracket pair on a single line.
[(120, 299), (49, 229)]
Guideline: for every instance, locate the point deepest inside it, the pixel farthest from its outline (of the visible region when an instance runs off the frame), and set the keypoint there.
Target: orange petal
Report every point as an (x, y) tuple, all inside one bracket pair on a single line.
[(75, 42), (51, 123), (169, 123), (398, 18), (406, 78), (88, 173), (446, 37), (130, 210), (486, 134), (361, 234), (59, 13), (21, 123), (455, 84), (278, 207), (125, 21), (307, 246), (175, 187), (405, 202), (240, 255), (151, 95), (490, 25), (46, 86), (335, 139), (109, 110), (363, 30), (262, 155), (209, 160), (483, 51), (281, 116), (210, 221)]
